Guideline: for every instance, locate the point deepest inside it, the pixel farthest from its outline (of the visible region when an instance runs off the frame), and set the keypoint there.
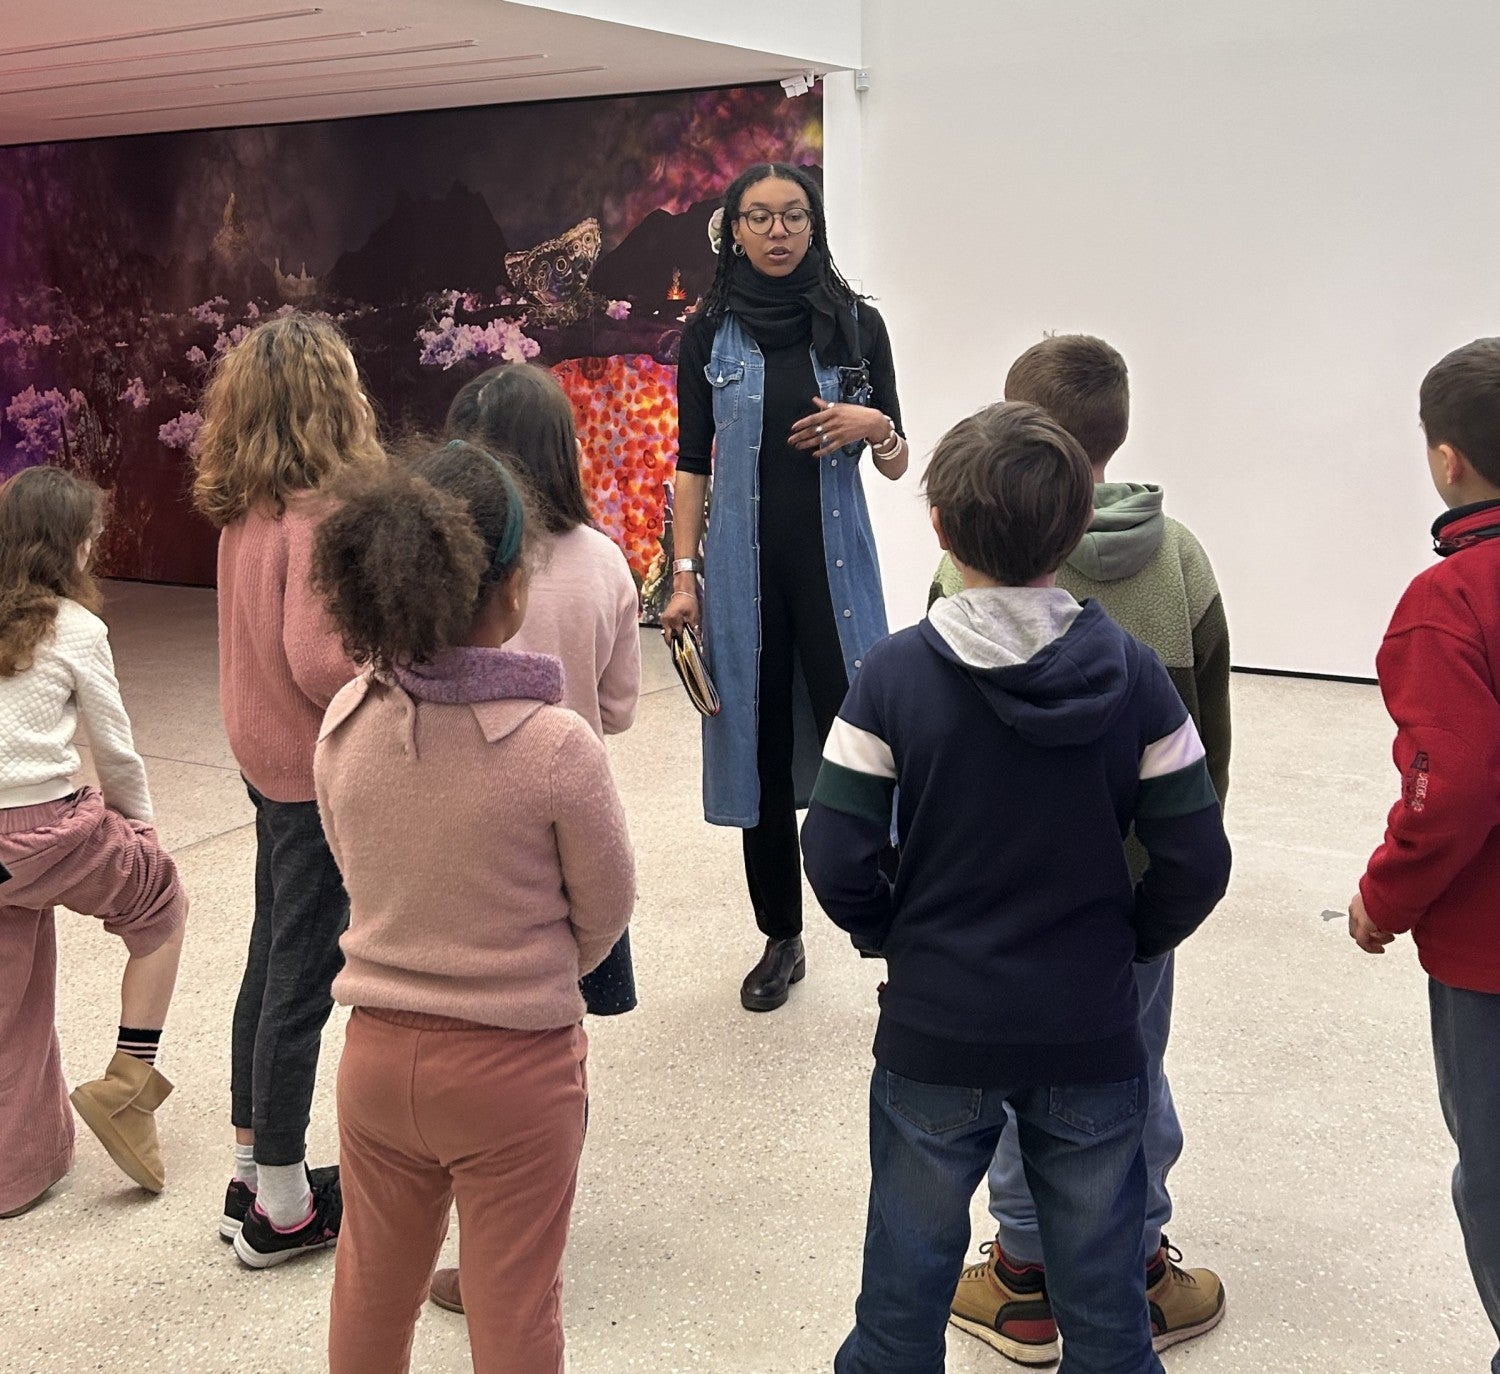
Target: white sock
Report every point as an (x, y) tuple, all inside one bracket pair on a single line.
[(283, 1194), (244, 1165)]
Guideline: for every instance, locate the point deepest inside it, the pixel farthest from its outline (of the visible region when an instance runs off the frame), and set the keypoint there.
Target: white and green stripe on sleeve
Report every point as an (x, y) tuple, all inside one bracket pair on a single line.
[(858, 776), (1174, 775)]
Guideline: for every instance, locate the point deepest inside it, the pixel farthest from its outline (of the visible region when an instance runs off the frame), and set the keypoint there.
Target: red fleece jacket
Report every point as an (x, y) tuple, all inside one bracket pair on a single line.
[(1438, 872)]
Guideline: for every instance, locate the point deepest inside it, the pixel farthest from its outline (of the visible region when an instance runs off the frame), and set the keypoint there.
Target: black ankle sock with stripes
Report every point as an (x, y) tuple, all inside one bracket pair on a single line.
[(139, 1044)]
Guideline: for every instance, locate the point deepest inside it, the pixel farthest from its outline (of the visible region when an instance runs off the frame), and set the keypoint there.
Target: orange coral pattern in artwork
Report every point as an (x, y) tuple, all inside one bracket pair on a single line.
[(626, 412)]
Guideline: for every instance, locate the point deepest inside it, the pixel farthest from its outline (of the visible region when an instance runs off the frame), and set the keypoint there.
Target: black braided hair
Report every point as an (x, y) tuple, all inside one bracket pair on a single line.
[(715, 303)]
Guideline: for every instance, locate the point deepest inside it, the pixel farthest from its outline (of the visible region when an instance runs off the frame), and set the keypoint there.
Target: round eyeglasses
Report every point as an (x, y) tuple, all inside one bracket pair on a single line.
[(795, 221)]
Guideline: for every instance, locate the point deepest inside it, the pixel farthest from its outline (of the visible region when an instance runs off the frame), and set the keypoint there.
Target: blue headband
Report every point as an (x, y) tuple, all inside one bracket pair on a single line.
[(509, 545)]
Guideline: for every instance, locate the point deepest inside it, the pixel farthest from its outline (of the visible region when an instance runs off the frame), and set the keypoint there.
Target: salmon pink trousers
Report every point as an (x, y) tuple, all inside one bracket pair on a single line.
[(432, 1111)]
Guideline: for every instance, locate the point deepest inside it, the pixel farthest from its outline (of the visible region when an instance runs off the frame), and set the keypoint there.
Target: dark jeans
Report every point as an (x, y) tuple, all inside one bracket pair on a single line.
[(796, 623), (1466, 1045), (929, 1149), (301, 909)]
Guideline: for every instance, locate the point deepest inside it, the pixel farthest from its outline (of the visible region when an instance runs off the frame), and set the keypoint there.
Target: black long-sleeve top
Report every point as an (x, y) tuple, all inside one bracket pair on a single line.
[(789, 482), (788, 396)]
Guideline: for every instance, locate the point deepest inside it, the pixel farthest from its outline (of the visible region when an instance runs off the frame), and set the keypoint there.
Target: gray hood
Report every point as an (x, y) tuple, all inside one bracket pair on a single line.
[(1001, 627), (1126, 533), (1055, 672)]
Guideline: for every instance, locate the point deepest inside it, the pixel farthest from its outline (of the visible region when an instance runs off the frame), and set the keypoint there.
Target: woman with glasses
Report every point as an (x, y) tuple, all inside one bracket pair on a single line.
[(785, 376)]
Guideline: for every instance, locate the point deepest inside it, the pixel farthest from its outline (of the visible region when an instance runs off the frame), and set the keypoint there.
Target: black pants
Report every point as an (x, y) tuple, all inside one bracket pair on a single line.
[(301, 909), (796, 621)]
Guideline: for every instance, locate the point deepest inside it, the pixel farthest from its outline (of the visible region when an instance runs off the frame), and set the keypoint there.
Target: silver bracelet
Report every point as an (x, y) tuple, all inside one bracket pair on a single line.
[(687, 565), (890, 446)]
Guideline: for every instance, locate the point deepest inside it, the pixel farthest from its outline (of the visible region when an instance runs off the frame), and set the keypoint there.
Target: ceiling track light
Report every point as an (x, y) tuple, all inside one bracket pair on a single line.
[(269, 17), (261, 83), (261, 66), (324, 94), (259, 45)]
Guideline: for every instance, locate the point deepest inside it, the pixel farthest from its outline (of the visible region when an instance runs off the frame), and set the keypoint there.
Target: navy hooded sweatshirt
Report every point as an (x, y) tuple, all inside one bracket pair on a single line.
[(1020, 736)]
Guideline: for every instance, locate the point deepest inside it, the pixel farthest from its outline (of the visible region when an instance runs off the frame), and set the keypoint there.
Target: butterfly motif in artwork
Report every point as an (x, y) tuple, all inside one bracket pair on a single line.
[(555, 274)]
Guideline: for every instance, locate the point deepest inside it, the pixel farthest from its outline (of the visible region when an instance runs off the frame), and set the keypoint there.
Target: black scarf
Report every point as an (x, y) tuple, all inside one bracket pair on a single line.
[(781, 311)]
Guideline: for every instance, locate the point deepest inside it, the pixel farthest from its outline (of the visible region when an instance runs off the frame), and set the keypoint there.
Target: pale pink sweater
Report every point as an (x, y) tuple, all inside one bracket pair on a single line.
[(280, 660), (480, 838), (584, 609)]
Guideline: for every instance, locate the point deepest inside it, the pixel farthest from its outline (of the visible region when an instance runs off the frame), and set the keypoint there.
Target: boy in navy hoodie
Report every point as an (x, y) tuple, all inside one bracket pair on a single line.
[(1020, 735)]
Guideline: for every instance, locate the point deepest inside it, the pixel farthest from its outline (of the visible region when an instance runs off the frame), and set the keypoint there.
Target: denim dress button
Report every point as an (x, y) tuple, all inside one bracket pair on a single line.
[(847, 614), (859, 663), (835, 515)]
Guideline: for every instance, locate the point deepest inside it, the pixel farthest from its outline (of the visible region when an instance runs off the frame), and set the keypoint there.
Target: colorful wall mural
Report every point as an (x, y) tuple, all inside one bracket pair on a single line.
[(573, 234)]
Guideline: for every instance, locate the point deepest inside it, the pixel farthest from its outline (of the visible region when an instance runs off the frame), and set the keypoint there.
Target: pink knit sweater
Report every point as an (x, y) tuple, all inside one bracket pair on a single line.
[(480, 838), (583, 609), (280, 661)]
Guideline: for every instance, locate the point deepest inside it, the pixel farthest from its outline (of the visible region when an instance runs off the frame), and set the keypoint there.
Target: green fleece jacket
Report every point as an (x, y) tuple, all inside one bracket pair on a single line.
[(1150, 573)]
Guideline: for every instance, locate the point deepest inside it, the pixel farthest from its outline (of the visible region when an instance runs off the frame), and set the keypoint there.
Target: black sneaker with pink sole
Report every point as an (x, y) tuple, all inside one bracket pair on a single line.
[(260, 1245), (240, 1196)]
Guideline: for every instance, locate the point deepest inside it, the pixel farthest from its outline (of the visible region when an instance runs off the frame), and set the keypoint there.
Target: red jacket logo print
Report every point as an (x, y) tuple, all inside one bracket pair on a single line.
[(1414, 788)]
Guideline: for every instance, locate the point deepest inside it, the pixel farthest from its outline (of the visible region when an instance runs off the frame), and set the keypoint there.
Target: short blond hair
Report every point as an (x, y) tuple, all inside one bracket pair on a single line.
[(283, 412)]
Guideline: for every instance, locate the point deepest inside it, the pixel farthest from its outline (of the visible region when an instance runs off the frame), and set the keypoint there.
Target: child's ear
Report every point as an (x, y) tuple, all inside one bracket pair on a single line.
[(1455, 466), (937, 528)]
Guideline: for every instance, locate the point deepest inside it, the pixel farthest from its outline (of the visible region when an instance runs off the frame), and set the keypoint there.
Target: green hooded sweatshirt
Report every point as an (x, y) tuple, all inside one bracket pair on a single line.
[(1152, 576)]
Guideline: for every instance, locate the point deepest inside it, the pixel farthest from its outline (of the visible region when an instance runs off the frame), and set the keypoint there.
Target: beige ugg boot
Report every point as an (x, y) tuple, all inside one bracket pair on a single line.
[(118, 1108)]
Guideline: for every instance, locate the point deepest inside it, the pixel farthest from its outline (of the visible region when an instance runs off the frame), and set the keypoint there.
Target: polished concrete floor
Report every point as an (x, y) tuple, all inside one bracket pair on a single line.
[(721, 1202)]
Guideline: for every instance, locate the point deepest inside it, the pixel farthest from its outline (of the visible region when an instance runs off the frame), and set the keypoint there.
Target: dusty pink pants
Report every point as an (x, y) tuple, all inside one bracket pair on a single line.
[(79, 854), (432, 1110)]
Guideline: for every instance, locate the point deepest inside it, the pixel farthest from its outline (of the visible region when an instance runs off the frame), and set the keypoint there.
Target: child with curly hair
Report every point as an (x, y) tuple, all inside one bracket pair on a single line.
[(283, 414), (463, 1072), (89, 849), (582, 604)]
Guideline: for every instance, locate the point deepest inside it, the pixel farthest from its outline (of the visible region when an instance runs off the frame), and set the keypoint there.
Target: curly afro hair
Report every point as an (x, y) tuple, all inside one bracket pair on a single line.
[(400, 565)]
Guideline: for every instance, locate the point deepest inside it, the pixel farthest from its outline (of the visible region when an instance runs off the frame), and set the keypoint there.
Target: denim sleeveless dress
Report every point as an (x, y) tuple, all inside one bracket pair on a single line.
[(731, 610)]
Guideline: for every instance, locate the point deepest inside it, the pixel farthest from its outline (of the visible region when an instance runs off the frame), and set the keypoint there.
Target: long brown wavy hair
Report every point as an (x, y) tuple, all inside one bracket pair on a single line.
[(283, 412), (46, 517)]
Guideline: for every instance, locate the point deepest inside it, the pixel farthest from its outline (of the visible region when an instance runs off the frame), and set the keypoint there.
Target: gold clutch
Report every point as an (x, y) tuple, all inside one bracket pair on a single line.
[(687, 658)]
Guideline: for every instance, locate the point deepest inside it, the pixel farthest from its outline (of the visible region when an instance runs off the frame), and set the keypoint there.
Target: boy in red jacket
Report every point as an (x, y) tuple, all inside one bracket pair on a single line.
[(1437, 874)]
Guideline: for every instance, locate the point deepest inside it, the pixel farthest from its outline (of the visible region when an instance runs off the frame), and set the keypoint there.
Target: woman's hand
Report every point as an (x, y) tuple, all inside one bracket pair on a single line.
[(681, 610), (831, 426)]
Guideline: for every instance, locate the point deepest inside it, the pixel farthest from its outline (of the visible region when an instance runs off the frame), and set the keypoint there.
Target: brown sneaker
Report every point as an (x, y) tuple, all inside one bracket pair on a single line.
[(444, 1292), (1006, 1306), (1184, 1302), (120, 1109)]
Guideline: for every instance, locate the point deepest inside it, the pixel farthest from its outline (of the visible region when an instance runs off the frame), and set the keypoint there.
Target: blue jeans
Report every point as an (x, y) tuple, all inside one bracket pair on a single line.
[(929, 1148), (1010, 1198), (1466, 1045)]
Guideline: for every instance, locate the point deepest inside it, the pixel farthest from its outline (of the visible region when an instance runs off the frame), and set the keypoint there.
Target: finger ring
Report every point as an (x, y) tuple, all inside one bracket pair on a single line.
[(820, 431)]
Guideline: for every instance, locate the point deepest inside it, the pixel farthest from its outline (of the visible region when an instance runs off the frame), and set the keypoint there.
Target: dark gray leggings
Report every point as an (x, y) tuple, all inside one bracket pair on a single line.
[(285, 998)]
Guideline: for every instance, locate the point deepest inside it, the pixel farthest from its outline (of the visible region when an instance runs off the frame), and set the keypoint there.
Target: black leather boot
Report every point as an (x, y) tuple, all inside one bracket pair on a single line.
[(766, 985)]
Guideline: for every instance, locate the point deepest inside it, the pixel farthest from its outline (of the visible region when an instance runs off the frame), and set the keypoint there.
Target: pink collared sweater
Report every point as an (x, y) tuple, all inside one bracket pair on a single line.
[(481, 840), (280, 660)]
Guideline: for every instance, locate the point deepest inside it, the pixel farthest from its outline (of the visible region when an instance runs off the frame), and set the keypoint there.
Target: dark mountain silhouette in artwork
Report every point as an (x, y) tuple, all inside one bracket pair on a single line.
[(233, 269), (423, 246), (640, 269), (229, 268)]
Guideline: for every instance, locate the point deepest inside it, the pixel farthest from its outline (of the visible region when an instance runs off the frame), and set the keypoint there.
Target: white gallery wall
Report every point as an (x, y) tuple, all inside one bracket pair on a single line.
[(1282, 213)]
